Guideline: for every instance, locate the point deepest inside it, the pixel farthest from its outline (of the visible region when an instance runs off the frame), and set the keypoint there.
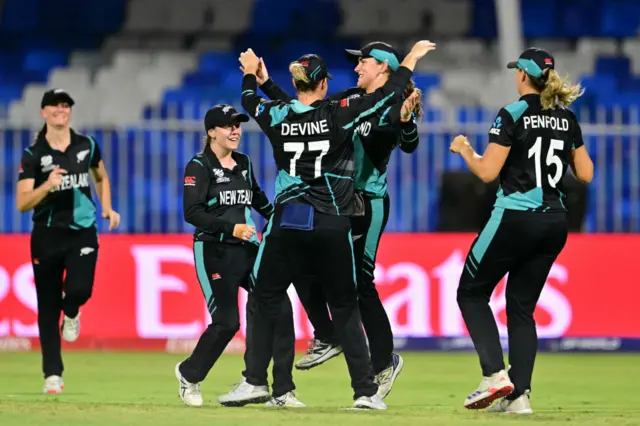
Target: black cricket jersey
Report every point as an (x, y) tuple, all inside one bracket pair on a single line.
[(374, 139), (312, 145), (216, 198), (541, 144), (70, 205)]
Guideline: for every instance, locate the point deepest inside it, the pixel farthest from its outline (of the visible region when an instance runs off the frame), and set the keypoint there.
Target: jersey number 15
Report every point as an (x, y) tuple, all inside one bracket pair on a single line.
[(322, 147), (552, 158)]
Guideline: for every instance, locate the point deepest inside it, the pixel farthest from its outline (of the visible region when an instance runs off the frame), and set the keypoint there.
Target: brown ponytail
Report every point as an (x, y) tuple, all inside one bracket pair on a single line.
[(417, 109), (558, 92)]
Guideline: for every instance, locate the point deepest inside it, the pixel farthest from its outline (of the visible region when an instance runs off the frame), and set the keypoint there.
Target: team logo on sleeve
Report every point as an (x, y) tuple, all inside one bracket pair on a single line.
[(189, 181), (495, 128), (344, 103), (46, 162), (82, 155), (259, 110)]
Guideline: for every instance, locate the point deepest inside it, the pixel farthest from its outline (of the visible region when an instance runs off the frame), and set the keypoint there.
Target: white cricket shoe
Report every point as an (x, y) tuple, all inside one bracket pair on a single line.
[(387, 377), (491, 388), (245, 394), (189, 392), (520, 405), (71, 328), (318, 353), (53, 385), (369, 403), (289, 399)]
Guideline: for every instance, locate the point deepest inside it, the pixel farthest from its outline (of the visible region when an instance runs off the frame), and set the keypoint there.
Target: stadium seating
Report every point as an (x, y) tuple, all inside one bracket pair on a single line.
[(131, 61)]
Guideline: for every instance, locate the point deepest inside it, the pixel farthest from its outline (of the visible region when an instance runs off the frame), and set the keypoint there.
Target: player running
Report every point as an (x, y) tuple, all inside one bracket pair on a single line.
[(374, 141), (531, 143), (310, 228), (54, 182)]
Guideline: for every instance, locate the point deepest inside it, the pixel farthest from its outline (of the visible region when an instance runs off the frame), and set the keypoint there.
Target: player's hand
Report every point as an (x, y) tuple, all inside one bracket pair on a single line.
[(114, 218), (250, 62), (421, 48), (243, 231), (55, 178), (262, 75), (459, 143), (409, 105)]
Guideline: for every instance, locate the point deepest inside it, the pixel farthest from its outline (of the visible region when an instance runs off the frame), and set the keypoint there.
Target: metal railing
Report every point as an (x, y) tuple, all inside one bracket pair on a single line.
[(146, 165)]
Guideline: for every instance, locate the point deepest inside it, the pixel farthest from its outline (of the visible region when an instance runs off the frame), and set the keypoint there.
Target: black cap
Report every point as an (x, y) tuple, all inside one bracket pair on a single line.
[(378, 50), (54, 97), (223, 115), (534, 61), (315, 67)]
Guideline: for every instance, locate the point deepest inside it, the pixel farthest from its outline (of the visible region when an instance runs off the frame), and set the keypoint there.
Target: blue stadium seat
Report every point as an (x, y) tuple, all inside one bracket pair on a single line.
[(20, 16), (44, 60), (619, 66), (620, 18), (540, 18), (579, 18), (484, 19)]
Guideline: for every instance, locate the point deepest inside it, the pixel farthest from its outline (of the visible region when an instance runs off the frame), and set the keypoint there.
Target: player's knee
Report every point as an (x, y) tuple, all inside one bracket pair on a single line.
[(226, 329), (79, 295)]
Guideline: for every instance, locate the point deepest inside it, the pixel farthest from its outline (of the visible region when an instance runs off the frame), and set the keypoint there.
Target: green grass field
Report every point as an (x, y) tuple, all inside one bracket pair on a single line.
[(140, 389)]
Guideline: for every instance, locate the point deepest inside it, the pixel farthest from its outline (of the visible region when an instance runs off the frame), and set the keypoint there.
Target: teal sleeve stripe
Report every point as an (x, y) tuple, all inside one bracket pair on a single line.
[(197, 161), (381, 122), (338, 176), (516, 109), (266, 205), (249, 171), (415, 129), (93, 143), (29, 151), (248, 92), (411, 140), (370, 111), (486, 236), (290, 198), (212, 202), (201, 272)]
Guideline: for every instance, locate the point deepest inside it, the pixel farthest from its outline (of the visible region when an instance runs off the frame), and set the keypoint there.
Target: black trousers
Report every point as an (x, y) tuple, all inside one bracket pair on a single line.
[(222, 269), (366, 231), (325, 251), (525, 245), (63, 260)]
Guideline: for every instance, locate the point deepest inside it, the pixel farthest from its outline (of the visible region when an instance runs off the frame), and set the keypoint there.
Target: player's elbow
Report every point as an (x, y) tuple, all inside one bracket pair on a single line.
[(488, 176), (585, 174)]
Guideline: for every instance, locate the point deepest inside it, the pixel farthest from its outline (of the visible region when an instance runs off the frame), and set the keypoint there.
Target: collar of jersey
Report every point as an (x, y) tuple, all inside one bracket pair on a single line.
[(212, 158), (300, 108), (43, 141)]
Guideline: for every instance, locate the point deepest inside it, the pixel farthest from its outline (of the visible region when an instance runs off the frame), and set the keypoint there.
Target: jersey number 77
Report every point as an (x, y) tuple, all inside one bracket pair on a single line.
[(321, 147)]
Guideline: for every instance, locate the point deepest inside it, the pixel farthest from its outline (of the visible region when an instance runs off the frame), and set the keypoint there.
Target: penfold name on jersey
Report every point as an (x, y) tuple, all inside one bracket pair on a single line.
[(545, 122), (77, 180), (235, 196)]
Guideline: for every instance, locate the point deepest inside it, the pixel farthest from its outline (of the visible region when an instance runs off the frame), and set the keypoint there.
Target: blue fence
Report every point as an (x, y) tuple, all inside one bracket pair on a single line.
[(146, 168)]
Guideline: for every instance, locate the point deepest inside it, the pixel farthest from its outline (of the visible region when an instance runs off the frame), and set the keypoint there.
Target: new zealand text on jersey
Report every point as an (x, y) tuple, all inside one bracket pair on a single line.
[(235, 196), (77, 180)]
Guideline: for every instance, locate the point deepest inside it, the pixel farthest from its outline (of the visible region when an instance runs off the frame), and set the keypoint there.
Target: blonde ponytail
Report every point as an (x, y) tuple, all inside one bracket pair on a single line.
[(558, 92), (301, 80), (298, 72)]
